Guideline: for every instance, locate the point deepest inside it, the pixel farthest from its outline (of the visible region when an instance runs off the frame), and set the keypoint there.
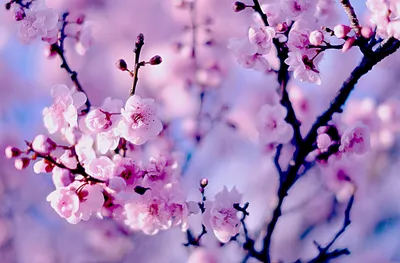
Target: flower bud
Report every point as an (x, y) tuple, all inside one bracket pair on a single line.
[(22, 163), (282, 27), (367, 32), (12, 152), (8, 6), (348, 44), (121, 65), (341, 31), (81, 19), (43, 144), (156, 60), (19, 15), (139, 40), (203, 182), (316, 37), (239, 6)]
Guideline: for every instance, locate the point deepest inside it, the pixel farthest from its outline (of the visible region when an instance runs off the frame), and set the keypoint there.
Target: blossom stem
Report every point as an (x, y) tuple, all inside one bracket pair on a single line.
[(138, 48), (59, 48)]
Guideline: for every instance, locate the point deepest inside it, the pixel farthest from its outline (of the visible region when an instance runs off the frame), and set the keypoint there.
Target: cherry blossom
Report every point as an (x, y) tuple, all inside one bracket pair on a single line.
[(63, 112), (304, 69), (38, 22), (76, 202), (157, 210), (356, 139), (139, 123), (101, 168), (220, 215), (262, 37), (272, 127)]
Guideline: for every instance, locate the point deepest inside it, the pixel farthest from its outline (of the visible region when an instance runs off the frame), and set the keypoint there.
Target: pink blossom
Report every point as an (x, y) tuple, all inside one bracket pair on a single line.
[(323, 142), (296, 8), (64, 201), (85, 39), (157, 210), (139, 122), (159, 169), (98, 120), (68, 159), (63, 113), (271, 125), (38, 23), (316, 37), (84, 149), (62, 177), (76, 206), (246, 54), (393, 29), (221, 217), (356, 139), (43, 144), (303, 68), (130, 170), (101, 168), (262, 37)]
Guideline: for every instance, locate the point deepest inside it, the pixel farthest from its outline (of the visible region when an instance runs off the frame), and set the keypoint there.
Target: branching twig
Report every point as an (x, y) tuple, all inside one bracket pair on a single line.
[(324, 253), (59, 49), (138, 48)]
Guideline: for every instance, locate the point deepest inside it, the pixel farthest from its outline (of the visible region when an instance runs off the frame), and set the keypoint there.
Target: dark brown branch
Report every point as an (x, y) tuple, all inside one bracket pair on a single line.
[(348, 8)]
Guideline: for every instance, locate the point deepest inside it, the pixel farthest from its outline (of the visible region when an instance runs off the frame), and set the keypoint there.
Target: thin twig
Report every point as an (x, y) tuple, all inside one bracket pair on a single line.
[(138, 48), (59, 49), (324, 253), (348, 8)]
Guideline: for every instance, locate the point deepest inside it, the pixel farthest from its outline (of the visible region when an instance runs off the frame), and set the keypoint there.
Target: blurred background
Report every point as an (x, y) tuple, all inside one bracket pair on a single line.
[(229, 152)]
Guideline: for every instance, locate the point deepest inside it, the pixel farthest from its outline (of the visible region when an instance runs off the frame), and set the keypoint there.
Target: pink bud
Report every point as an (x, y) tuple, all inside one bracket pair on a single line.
[(367, 32), (203, 182), (323, 142), (348, 44), (80, 20), (316, 37), (43, 144), (12, 152), (341, 31), (22, 163), (19, 15), (239, 6)]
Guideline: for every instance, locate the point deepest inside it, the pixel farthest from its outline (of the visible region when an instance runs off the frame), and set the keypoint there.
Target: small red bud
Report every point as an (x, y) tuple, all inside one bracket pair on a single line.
[(22, 163), (121, 65), (239, 6), (156, 60), (80, 20), (203, 182), (12, 152)]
